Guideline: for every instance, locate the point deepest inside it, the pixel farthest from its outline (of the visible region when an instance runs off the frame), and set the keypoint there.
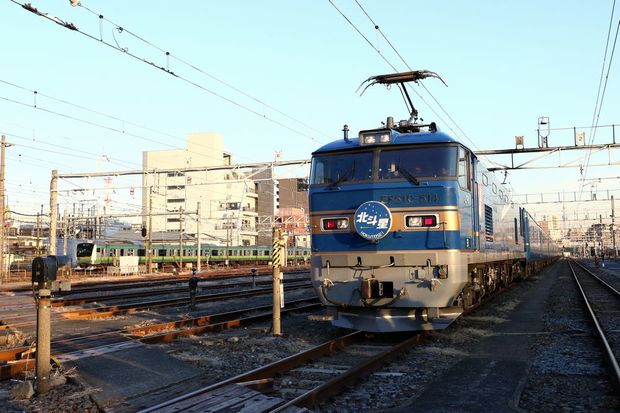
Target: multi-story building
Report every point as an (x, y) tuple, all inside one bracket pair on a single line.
[(282, 202), (220, 201)]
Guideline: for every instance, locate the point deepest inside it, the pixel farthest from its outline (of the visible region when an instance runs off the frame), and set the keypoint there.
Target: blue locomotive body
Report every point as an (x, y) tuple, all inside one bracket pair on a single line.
[(409, 229)]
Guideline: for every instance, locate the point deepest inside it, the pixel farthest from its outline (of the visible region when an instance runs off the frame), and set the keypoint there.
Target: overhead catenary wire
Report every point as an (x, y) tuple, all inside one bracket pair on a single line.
[(421, 83), (202, 71), (601, 94), (72, 27), (396, 70)]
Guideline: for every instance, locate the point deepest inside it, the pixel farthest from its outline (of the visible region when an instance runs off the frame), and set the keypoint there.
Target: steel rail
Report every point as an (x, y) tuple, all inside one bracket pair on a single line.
[(121, 309), (63, 302), (311, 398), (262, 372), (266, 314), (14, 363), (609, 354)]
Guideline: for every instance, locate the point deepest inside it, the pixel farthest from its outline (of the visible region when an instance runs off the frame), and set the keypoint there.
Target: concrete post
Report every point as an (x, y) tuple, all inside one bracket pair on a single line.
[(44, 307)]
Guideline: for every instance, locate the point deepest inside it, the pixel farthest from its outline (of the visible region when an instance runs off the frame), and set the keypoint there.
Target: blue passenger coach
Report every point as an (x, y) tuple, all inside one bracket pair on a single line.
[(409, 229)]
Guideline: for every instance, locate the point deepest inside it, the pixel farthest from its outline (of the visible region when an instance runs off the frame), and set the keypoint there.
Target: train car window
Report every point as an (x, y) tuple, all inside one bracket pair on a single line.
[(341, 168), (464, 169), (141, 252), (428, 162), (161, 252), (255, 252), (485, 180), (122, 252), (84, 250)]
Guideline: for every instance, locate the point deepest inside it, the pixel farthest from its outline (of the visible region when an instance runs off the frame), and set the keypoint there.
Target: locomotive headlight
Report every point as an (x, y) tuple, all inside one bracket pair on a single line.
[(335, 224), (371, 138), (414, 221)]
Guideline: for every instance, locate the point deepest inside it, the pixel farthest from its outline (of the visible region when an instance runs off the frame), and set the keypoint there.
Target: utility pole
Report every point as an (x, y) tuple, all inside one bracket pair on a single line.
[(228, 237), (180, 239), (53, 211), (65, 238), (149, 250), (38, 232), (3, 275), (613, 227), (602, 229), (198, 243)]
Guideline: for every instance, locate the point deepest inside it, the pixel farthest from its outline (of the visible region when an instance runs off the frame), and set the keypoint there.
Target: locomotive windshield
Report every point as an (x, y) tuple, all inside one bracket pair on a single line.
[(402, 163), (428, 162), (344, 167), (84, 250)]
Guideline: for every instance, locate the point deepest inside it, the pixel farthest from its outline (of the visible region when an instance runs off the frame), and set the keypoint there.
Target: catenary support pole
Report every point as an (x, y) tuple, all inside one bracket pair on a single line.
[(149, 250), (198, 239), (53, 211)]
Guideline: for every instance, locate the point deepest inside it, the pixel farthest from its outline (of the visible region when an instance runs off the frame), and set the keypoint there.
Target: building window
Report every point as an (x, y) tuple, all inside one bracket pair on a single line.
[(173, 220), (175, 200), (173, 187)]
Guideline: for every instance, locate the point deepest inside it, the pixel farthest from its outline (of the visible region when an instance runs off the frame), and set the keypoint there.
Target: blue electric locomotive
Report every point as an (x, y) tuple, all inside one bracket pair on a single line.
[(409, 229)]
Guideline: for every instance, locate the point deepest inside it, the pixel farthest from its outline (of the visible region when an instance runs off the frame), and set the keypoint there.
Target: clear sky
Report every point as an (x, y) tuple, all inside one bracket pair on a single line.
[(295, 67)]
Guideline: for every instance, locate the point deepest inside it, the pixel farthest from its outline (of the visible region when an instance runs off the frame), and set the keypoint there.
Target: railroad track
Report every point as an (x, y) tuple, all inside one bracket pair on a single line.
[(130, 308), (299, 381), (602, 303), (17, 360), (84, 284), (64, 302), (121, 309)]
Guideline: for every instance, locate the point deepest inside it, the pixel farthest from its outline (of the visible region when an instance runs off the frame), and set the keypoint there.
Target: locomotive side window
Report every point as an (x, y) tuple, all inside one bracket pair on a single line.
[(464, 169), (341, 168), (430, 161)]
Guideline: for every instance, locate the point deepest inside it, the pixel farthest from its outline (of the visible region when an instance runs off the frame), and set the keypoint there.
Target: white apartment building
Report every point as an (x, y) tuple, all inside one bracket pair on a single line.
[(221, 202)]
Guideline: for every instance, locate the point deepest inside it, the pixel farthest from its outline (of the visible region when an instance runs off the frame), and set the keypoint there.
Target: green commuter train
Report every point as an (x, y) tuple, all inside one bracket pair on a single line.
[(92, 255)]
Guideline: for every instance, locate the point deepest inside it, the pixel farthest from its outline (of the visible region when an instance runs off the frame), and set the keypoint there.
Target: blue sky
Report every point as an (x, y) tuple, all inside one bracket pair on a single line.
[(505, 63)]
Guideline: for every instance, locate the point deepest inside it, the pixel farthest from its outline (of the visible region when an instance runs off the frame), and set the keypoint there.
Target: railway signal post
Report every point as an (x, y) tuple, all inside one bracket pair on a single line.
[(276, 262)]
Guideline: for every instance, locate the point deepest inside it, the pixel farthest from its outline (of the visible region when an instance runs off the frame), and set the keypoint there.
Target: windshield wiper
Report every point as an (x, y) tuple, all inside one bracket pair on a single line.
[(408, 175), (344, 177)]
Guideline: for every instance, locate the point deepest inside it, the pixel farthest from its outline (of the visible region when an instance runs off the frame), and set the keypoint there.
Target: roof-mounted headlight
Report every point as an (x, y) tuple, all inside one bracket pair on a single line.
[(375, 137)]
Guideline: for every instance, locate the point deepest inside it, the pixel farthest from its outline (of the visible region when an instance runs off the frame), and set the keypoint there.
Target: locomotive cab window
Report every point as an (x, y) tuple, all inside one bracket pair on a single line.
[(417, 162), (341, 168)]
